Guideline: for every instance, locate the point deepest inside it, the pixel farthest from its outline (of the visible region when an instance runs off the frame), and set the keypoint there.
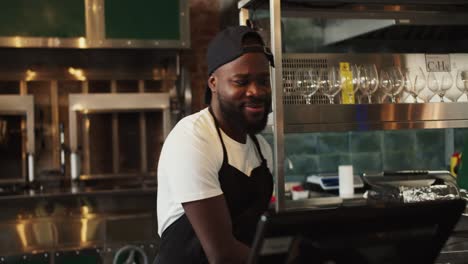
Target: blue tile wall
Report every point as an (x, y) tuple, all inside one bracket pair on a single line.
[(301, 144), (461, 138), (373, 151), (365, 141), (301, 164), (398, 160), (332, 142), (367, 161), (430, 140), (399, 140), (430, 150)]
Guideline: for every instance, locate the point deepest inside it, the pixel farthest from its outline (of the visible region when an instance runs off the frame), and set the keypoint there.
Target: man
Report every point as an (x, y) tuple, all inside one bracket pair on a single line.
[(214, 172)]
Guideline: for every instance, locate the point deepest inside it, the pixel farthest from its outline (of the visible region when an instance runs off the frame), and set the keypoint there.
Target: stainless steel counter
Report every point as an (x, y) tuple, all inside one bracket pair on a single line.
[(73, 191), (56, 221)]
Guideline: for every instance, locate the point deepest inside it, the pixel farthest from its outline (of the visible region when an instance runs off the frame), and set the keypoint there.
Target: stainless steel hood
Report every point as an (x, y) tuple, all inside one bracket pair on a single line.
[(392, 31), (259, 3), (391, 2), (405, 26), (377, 28)]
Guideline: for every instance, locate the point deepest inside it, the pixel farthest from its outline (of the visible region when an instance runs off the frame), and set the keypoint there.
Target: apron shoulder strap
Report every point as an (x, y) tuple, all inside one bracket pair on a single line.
[(257, 145), (225, 156)]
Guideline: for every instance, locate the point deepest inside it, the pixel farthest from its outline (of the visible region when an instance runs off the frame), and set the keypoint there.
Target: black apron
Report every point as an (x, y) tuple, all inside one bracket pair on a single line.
[(246, 197)]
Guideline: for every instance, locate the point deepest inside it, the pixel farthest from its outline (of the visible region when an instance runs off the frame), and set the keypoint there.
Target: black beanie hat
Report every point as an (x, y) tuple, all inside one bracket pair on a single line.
[(227, 46)]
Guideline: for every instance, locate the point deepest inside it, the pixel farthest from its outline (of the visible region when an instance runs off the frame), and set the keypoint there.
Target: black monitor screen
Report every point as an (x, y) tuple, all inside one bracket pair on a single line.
[(405, 233)]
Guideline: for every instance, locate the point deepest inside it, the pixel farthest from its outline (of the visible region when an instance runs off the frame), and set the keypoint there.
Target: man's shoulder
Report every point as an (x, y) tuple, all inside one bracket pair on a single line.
[(199, 124)]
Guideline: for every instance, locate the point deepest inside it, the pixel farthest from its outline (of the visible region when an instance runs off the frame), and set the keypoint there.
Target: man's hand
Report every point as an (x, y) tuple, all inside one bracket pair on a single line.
[(212, 223)]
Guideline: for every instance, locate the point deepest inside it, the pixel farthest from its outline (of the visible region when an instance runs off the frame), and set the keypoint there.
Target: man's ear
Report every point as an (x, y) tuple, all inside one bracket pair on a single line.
[(212, 83)]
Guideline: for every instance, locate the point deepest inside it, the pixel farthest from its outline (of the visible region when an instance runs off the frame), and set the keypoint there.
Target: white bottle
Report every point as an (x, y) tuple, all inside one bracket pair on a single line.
[(346, 181)]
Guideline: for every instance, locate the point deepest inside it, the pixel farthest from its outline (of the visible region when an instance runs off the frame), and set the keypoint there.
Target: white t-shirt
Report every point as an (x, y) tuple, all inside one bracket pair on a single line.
[(190, 159)]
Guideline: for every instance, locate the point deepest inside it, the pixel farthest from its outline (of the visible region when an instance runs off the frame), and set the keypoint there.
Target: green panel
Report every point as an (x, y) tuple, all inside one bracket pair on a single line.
[(51, 18), (142, 19)]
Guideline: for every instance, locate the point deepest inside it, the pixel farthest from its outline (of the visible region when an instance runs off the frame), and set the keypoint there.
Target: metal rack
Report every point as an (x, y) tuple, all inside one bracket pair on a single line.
[(41, 99), (291, 115), (112, 103), (22, 105)]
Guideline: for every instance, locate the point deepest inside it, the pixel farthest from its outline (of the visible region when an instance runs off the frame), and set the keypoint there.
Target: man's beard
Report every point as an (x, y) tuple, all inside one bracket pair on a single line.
[(235, 116)]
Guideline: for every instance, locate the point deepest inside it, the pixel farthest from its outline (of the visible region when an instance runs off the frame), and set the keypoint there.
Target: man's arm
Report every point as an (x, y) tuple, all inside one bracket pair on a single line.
[(211, 221)]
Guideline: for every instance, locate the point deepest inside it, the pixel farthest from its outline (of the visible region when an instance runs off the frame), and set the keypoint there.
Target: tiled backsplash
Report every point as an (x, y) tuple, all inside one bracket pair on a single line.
[(373, 151)]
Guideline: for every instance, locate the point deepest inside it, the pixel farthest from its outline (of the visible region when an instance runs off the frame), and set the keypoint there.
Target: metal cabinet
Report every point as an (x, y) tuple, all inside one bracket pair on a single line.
[(293, 116), (95, 24)]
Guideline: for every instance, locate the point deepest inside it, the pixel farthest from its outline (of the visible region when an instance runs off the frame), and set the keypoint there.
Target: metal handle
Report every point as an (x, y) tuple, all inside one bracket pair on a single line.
[(132, 250)]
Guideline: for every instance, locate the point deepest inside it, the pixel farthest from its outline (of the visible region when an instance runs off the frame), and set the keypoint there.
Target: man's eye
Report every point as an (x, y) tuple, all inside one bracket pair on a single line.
[(241, 82)]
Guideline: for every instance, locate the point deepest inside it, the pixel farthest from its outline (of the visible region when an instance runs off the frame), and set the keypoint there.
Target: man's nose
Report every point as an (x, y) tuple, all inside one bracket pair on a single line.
[(255, 89)]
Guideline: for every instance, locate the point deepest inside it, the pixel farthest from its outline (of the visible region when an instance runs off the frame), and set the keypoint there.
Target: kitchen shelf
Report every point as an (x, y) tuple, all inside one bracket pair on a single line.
[(264, 3), (322, 118)]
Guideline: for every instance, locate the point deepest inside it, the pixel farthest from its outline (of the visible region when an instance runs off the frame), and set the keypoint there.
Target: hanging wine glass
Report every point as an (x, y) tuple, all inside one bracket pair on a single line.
[(330, 82), (426, 95), (397, 82), (446, 83), (368, 80), (373, 79), (355, 81), (433, 83), (309, 84), (439, 86), (453, 94), (363, 83), (462, 81), (415, 81), (385, 82), (299, 84), (391, 82), (313, 86)]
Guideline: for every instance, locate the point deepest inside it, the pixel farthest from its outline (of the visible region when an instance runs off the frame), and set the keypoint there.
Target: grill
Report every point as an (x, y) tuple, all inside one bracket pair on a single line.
[(296, 85)]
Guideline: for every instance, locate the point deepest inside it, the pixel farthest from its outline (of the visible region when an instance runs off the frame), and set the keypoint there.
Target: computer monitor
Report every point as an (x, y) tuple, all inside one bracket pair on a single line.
[(404, 233)]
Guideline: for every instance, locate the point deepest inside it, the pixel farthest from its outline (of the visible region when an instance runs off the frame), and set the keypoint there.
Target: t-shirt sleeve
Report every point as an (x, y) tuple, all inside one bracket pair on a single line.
[(191, 163)]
